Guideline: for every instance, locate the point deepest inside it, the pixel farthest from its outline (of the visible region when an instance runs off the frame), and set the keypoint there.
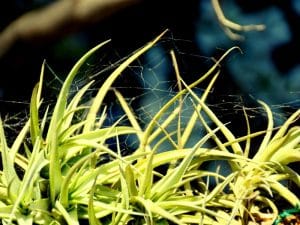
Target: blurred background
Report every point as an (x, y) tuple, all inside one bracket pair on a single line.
[(268, 69)]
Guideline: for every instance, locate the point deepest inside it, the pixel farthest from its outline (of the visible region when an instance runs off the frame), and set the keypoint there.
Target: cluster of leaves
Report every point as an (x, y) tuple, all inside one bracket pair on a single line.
[(65, 180)]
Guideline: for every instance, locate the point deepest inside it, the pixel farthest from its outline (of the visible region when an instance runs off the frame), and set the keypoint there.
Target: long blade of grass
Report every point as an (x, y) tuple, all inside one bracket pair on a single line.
[(104, 133), (187, 206), (10, 177), (91, 117), (214, 137), (91, 210), (261, 152), (166, 106), (85, 143), (36, 163), (131, 180), (284, 192), (19, 140), (65, 189), (293, 175), (146, 180), (192, 121), (227, 133), (176, 175), (180, 101), (290, 144), (163, 125), (100, 207), (130, 114), (248, 140), (34, 107), (70, 131), (106, 173), (70, 216), (220, 187), (53, 131), (153, 208), (220, 144), (64, 93), (34, 115), (72, 107), (125, 196), (281, 132), (289, 151), (202, 154)]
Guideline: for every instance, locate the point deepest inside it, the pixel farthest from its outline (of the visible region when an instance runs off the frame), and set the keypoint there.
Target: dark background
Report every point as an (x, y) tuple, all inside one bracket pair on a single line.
[(268, 69)]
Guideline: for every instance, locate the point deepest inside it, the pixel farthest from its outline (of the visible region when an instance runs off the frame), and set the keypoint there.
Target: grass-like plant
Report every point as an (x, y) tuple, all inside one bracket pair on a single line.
[(59, 177)]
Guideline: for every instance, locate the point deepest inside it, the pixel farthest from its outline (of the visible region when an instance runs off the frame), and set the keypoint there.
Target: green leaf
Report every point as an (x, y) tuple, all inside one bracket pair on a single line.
[(91, 211), (91, 117), (165, 107), (176, 175), (69, 215), (10, 178), (262, 151), (54, 129), (153, 208), (73, 106), (36, 163)]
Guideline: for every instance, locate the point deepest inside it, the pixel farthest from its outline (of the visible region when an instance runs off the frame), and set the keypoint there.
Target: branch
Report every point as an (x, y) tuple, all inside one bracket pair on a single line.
[(57, 19), (230, 28)]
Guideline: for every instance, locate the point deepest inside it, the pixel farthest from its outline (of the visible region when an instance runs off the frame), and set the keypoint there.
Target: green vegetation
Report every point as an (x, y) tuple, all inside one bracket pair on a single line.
[(59, 177)]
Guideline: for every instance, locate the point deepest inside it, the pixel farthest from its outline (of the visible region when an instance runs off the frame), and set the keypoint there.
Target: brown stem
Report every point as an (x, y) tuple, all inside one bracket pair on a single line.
[(57, 19)]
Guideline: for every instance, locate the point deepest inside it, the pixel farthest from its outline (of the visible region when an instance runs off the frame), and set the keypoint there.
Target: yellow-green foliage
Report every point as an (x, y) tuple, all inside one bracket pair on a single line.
[(64, 183)]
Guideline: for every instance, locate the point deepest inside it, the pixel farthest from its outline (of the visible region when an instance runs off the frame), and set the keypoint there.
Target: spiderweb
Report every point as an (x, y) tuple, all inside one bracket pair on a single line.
[(150, 82)]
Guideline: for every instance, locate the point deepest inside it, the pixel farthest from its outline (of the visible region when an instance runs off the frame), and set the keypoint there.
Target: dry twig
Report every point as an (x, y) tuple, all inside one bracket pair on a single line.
[(230, 28), (57, 19)]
